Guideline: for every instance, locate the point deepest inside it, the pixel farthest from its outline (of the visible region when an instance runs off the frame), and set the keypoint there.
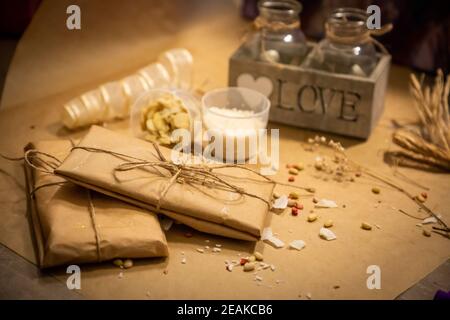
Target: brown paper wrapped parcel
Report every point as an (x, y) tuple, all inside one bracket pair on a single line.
[(68, 230), (205, 208)]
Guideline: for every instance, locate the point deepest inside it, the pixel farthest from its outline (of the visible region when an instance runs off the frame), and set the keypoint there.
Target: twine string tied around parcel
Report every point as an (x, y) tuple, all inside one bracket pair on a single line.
[(191, 174), (47, 163)]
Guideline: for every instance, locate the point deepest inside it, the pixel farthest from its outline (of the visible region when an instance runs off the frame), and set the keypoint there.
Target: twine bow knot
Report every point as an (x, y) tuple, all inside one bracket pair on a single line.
[(191, 174)]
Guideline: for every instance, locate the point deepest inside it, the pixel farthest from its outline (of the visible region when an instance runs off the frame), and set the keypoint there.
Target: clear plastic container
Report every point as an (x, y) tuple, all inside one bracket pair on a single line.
[(113, 100), (234, 116), (189, 102), (178, 62), (156, 75)]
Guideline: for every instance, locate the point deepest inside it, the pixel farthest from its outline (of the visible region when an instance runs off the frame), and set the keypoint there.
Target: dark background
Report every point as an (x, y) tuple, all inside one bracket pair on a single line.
[(420, 39)]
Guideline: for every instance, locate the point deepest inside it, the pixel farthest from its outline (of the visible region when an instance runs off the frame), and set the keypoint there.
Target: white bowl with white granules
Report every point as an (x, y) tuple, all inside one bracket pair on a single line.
[(235, 115)]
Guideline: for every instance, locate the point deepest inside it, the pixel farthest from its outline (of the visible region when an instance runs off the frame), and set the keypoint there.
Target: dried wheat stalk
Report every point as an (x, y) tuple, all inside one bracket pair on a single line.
[(431, 145)]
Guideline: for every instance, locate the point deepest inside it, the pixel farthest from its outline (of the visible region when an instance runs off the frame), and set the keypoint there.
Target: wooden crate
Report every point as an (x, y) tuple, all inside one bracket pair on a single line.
[(336, 103)]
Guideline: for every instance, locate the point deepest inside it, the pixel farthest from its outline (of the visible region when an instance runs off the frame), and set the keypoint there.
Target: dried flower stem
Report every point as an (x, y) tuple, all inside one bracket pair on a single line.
[(351, 166)]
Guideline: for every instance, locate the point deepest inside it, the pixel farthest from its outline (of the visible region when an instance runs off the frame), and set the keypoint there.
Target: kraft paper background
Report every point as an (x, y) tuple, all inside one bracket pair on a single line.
[(53, 64)]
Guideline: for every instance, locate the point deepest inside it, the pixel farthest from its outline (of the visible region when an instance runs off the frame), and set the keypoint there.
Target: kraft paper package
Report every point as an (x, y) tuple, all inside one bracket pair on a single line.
[(208, 209), (75, 225)]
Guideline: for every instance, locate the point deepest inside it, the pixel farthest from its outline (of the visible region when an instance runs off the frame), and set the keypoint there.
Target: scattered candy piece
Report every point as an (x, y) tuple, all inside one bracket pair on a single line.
[(249, 266), (311, 190), (328, 224), (269, 237), (243, 261), (217, 250), (291, 179), (267, 232), (276, 195), (424, 194), (281, 202), (366, 226), (128, 263), (318, 165), (118, 262), (200, 250), (297, 244), (312, 217), (376, 190), (252, 258), (299, 206), (294, 211), (327, 234), (258, 278), (293, 171), (292, 203), (299, 166), (259, 256), (324, 203), (120, 275), (183, 260), (426, 233), (294, 195), (420, 198), (429, 220)]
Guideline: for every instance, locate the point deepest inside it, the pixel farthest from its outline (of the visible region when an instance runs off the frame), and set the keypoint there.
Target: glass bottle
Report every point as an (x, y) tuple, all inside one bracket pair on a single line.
[(347, 48), (278, 37)]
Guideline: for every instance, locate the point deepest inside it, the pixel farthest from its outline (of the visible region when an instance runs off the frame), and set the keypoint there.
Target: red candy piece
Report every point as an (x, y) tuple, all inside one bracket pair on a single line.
[(291, 179), (299, 206), (243, 261), (294, 211)]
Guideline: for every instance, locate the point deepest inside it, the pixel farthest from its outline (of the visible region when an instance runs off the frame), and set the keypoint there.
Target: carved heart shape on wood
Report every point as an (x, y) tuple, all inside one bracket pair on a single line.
[(261, 84)]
